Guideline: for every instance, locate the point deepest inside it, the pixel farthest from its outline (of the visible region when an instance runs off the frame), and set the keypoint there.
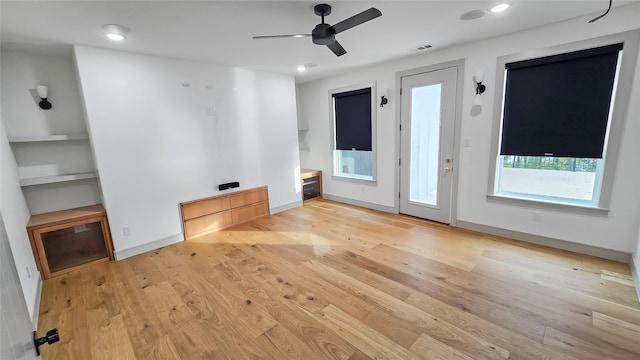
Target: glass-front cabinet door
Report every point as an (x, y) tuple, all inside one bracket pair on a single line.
[(69, 246)]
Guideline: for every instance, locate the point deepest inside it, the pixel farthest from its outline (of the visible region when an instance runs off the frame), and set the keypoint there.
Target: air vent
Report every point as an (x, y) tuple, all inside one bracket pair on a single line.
[(420, 48)]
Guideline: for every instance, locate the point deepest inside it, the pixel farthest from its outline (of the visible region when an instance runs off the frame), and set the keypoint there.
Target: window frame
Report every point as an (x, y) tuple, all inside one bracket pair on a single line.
[(374, 145), (619, 114)]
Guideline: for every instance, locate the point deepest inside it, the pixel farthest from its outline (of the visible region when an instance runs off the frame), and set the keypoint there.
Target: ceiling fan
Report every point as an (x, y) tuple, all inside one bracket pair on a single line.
[(325, 34)]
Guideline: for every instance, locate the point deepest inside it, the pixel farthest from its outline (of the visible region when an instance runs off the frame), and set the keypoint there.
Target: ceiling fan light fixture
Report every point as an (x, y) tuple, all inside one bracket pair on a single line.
[(500, 8)]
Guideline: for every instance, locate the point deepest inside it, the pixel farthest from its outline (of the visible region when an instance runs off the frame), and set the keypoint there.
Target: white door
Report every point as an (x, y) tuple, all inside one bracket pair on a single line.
[(16, 335), (427, 127)]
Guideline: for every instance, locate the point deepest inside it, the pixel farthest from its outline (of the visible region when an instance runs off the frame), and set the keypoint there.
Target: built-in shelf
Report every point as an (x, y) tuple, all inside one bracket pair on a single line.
[(24, 139), (57, 178)]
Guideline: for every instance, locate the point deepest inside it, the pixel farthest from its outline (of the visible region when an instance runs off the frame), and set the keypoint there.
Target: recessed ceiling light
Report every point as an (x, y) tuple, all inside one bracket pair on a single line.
[(301, 68), (499, 8), (472, 15), (114, 36), (115, 32)]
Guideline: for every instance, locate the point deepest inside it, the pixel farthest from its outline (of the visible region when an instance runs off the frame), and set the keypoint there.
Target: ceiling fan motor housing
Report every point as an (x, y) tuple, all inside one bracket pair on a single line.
[(321, 35)]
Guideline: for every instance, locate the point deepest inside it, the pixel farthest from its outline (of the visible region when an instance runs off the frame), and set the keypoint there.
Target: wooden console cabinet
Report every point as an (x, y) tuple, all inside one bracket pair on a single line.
[(203, 216), (67, 240), (311, 184)]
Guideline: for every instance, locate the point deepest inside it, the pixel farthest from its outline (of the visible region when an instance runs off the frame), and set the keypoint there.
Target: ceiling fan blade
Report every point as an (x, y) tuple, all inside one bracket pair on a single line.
[(355, 20), (337, 48), (281, 36)]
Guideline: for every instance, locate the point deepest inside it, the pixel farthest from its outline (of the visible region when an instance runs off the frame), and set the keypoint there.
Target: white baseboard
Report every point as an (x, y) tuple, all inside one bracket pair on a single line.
[(35, 310), (635, 271), (136, 250), (364, 204), (285, 207), (546, 241)]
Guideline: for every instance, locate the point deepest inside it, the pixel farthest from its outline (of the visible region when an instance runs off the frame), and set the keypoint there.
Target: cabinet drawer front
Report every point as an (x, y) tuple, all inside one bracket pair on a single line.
[(205, 207), (207, 223), (249, 212), (250, 197)]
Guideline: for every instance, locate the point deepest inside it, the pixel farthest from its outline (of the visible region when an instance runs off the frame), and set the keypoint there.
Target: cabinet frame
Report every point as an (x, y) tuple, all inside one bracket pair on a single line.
[(65, 219), (307, 174)]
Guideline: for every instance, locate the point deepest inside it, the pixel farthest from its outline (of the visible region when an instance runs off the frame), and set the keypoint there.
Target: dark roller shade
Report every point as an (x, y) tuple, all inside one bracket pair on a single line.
[(559, 105), (353, 119)]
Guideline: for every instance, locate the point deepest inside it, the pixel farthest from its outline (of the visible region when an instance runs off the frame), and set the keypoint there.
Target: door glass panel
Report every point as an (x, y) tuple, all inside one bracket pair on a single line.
[(425, 144), (74, 246)]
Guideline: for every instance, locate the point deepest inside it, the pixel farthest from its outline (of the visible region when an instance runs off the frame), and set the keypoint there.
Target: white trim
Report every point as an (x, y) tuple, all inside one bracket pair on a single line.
[(635, 272), (459, 64), (586, 210), (546, 241), (281, 208), (363, 204), (35, 309), (136, 250)]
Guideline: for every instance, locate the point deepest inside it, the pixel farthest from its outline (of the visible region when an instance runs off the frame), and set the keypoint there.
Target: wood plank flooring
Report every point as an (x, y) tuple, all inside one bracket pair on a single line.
[(333, 281)]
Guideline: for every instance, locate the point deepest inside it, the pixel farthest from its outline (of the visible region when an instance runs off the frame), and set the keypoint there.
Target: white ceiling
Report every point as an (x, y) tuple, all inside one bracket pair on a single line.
[(220, 31)]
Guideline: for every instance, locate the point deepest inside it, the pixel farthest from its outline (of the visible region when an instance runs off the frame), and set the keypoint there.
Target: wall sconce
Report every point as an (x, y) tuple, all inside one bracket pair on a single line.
[(476, 108), (43, 92), (383, 101), (479, 76)]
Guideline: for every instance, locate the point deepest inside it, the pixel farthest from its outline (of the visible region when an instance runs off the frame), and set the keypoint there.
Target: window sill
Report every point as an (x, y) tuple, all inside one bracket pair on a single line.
[(353, 178), (578, 209)]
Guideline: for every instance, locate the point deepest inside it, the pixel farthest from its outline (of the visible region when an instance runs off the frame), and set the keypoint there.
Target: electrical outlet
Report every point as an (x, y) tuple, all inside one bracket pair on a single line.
[(28, 273), (126, 231), (536, 216)]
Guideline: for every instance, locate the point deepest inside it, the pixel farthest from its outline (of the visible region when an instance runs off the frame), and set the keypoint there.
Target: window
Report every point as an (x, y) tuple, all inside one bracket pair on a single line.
[(353, 132), (554, 179), (560, 122)]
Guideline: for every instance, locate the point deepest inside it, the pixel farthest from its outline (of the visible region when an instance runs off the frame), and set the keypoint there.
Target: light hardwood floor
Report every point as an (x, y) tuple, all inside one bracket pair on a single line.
[(333, 281)]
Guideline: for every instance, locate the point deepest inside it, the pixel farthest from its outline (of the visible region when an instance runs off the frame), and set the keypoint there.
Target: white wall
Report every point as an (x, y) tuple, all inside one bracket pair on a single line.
[(21, 72), (166, 131), (617, 231), (636, 261), (15, 215)]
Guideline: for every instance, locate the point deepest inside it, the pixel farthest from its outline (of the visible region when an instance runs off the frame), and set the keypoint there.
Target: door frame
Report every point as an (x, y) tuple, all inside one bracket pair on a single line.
[(459, 64)]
